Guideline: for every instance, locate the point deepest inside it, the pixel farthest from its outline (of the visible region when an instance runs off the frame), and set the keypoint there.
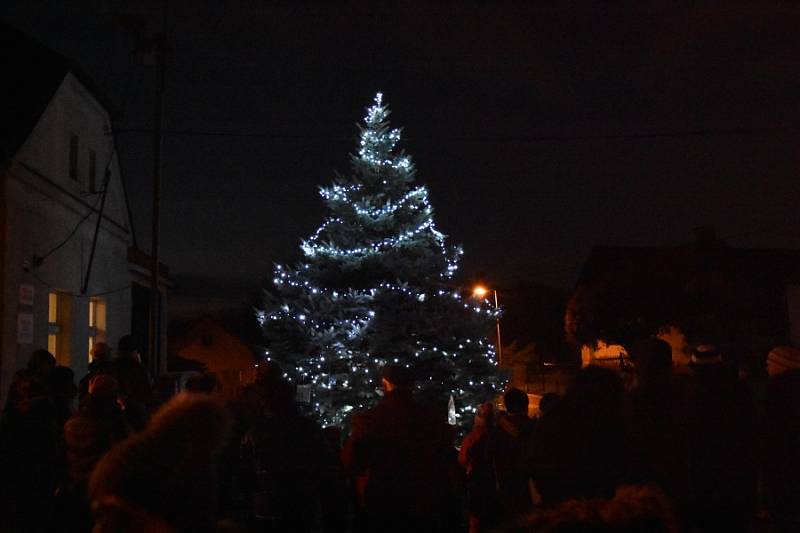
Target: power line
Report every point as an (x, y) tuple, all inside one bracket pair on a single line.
[(485, 139), (222, 133), (94, 295), (104, 293), (38, 260)]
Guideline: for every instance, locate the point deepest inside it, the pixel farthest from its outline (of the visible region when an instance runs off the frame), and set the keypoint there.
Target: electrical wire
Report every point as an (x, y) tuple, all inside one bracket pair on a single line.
[(40, 280), (104, 293), (484, 139), (126, 98), (38, 260), (93, 295)]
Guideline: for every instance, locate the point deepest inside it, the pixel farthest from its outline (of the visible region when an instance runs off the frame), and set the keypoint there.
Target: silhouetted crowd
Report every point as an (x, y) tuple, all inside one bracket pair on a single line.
[(695, 449)]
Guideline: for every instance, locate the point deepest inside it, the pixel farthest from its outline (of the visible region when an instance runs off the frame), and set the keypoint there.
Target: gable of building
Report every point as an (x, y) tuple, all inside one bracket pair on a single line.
[(71, 151), (211, 343), (57, 129)]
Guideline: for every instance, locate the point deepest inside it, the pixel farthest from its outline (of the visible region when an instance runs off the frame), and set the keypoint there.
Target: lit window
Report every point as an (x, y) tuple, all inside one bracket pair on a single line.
[(52, 324), (59, 312), (97, 322)]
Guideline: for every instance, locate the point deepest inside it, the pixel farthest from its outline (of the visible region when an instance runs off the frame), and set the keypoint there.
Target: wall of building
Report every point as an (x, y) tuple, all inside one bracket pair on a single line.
[(222, 353), (43, 206), (681, 352), (602, 354)]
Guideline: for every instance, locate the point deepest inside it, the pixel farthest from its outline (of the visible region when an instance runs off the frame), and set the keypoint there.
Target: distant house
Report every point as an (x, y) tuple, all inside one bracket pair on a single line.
[(59, 173), (532, 332), (746, 300), (221, 352)]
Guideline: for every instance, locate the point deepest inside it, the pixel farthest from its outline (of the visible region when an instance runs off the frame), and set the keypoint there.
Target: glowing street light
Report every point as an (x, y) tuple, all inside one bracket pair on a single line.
[(479, 291)]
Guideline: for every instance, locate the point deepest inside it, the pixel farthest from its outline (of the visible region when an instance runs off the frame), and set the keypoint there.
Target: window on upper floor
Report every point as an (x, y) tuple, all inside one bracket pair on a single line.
[(73, 157), (92, 178)]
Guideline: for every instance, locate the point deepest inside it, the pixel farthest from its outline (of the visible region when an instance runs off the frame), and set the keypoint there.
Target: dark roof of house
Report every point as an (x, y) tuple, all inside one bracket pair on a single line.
[(708, 277), (532, 313), (184, 332), (31, 75), (682, 263), (710, 288)]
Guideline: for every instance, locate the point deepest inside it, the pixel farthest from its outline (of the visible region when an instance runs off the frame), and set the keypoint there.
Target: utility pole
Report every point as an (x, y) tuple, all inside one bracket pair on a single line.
[(497, 323), (481, 292), (153, 355)]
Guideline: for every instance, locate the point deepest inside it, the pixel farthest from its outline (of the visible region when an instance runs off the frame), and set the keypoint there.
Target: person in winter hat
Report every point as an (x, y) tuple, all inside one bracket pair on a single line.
[(496, 458), (88, 436), (781, 359), (100, 364), (781, 432), (399, 454), (134, 383), (164, 478)]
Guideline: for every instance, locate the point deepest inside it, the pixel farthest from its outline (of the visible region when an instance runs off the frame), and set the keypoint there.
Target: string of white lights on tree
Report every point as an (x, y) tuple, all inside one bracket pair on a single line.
[(375, 288)]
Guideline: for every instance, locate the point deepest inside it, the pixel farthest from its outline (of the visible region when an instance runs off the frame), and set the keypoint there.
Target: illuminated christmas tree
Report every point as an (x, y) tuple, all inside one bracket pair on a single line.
[(375, 287)]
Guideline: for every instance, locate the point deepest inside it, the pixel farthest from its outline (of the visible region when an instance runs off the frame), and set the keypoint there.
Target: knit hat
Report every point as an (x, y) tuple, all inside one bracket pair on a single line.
[(784, 358), (398, 375), (166, 472), (104, 385), (706, 354)]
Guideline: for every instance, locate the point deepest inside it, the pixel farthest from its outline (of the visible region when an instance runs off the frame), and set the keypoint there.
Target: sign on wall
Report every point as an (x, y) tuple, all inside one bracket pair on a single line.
[(26, 293), (25, 328)]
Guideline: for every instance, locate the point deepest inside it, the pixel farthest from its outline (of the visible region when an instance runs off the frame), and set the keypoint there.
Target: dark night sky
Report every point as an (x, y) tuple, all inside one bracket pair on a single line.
[(541, 129)]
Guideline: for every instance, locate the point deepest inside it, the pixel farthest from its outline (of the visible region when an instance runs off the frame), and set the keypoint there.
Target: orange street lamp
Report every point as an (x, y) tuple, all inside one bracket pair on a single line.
[(479, 291)]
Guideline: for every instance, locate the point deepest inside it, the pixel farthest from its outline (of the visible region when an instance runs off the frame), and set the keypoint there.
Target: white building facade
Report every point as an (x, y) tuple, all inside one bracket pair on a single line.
[(52, 192)]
